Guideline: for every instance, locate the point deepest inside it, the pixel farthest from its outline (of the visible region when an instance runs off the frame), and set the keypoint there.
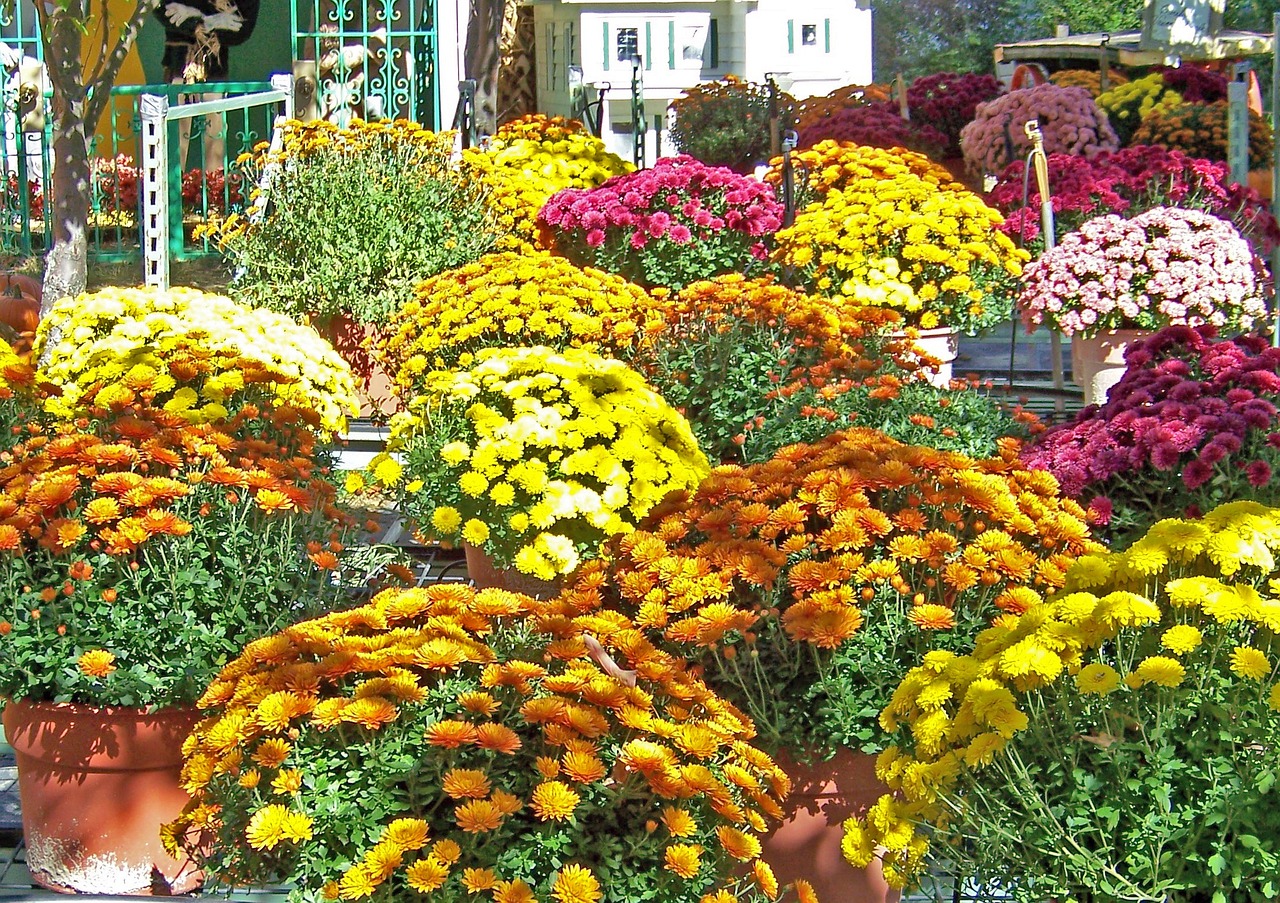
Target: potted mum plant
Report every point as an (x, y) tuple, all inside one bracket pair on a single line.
[(531, 458), (806, 586), (1117, 279), (1070, 122), (1152, 675), (726, 122), (491, 745), (167, 507), (1191, 424), (755, 366), (356, 215), (666, 226), (513, 299), (846, 236)]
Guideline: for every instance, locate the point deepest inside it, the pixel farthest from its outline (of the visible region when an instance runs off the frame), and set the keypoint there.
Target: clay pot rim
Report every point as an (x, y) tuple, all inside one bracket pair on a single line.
[(142, 711)]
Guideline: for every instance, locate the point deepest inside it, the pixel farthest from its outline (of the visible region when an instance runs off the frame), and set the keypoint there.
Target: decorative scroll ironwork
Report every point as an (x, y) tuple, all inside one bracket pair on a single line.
[(374, 58)]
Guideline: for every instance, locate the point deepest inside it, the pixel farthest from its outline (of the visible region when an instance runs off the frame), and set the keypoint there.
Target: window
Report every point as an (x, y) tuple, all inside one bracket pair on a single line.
[(628, 43), (693, 45), (809, 35)]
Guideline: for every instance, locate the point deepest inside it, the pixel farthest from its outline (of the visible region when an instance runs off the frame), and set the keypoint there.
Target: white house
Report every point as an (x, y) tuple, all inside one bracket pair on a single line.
[(809, 46)]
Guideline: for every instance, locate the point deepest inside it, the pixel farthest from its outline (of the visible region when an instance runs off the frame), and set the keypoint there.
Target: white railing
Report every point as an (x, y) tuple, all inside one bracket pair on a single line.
[(156, 113)]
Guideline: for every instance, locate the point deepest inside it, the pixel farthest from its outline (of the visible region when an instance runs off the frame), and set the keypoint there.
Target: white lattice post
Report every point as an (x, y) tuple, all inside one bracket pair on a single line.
[(283, 81), (154, 111)]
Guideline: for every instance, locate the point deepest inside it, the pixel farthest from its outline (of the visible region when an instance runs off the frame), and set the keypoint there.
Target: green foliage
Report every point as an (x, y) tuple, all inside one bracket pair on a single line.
[(749, 389), (1090, 16), (919, 37), (352, 225), (726, 123)]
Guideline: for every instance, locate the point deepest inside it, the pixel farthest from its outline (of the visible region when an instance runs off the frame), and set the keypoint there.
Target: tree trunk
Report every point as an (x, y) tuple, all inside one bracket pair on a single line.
[(67, 199), (66, 264), (480, 59)]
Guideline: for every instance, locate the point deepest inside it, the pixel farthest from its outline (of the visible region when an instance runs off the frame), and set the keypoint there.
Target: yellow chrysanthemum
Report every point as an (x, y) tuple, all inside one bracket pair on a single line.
[(553, 801), (1250, 663), (1181, 638), (576, 884), (1097, 678), (1160, 670)]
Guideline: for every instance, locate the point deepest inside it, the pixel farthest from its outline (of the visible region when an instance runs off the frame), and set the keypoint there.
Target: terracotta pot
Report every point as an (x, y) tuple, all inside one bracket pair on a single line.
[(487, 575), (20, 307), (1098, 363), (95, 786), (940, 344), (374, 388), (807, 843)]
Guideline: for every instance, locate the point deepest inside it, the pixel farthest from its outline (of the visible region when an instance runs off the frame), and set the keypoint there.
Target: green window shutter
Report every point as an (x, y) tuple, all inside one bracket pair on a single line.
[(713, 37), (648, 45), (826, 35), (791, 36), (671, 44), (606, 47)]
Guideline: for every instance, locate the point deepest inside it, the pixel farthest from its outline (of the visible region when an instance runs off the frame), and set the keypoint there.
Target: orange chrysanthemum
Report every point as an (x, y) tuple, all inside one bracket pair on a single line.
[(478, 816), (97, 663), (462, 783)]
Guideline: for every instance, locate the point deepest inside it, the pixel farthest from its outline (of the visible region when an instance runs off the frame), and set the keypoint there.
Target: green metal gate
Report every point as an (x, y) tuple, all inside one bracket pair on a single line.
[(374, 59)]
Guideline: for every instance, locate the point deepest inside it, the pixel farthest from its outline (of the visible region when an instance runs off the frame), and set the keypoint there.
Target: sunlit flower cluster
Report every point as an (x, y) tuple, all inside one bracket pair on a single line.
[(196, 355), (885, 219), (1167, 266), (1174, 638), (1069, 120), (528, 160), (669, 225), (1200, 130), (513, 299), (857, 544), (158, 544), (574, 729), (1127, 104), (828, 332), (537, 456), (1089, 79)]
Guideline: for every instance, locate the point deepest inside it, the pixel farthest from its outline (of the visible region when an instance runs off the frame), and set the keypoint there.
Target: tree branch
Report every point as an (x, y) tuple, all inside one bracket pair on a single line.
[(101, 82)]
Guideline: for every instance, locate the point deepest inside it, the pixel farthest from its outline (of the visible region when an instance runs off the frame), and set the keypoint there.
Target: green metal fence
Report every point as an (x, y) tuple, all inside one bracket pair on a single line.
[(374, 58), (203, 178)]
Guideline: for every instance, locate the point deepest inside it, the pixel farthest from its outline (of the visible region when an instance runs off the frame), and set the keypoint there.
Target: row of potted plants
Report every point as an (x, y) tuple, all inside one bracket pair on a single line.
[(697, 630)]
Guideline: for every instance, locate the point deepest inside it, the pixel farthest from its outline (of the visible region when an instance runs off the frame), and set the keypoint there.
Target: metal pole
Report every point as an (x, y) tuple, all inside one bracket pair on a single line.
[(775, 136), (639, 124), (1041, 162), (1275, 163), (154, 109), (1238, 131)]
